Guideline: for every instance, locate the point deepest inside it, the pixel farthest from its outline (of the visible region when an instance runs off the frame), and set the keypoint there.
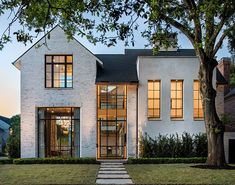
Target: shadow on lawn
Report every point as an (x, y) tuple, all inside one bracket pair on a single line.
[(203, 166)]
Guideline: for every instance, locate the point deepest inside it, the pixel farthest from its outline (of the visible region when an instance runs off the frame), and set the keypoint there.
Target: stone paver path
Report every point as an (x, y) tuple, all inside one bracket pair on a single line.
[(113, 173)]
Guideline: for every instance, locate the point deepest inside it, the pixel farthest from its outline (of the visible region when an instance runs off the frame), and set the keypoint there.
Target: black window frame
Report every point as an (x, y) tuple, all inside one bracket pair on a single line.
[(65, 63)]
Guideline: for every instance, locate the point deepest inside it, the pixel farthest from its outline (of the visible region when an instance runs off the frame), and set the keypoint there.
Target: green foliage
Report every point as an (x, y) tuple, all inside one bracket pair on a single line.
[(165, 160), (84, 160), (6, 161), (232, 75), (174, 146), (13, 141), (225, 118), (203, 22)]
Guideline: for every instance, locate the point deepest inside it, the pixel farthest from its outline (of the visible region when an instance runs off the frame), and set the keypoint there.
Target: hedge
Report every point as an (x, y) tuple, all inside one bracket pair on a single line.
[(55, 161), (166, 160), (6, 161)]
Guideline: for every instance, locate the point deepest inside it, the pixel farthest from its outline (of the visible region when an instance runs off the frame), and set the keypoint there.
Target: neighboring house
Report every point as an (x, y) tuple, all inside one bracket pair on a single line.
[(4, 131), (76, 103), (229, 110)]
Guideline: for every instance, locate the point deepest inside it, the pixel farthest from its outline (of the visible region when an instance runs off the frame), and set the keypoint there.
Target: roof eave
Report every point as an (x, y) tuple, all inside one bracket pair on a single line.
[(17, 64)]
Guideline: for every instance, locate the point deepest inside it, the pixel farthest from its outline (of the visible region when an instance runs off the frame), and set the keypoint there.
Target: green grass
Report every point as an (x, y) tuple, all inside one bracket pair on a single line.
[(178, 174), (48, 174)]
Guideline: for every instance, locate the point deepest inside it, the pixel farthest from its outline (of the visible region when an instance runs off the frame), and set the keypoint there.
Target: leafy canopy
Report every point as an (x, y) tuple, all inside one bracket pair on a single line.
[(206, 23)]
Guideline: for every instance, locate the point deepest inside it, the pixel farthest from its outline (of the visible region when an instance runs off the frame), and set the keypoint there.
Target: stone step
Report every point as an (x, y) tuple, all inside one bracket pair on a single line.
[(112, 172), (114, 181), (111, 163), (112, 166), (112, 169), (113, 176)]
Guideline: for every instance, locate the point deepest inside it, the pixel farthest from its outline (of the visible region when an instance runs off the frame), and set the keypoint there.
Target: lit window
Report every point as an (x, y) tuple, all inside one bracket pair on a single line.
[(59, 71), (198, 110), (176, 99), (154, 89)]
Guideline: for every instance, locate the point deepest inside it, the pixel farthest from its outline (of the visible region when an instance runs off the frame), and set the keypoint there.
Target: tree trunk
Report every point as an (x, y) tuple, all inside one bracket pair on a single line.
[(214, 126)]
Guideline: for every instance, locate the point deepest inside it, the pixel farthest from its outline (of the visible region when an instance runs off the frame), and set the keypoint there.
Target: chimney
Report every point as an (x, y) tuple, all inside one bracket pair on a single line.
[(224, 68)]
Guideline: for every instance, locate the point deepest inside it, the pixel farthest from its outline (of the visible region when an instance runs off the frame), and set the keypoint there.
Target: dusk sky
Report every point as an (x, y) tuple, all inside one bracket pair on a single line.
[(10, 76)]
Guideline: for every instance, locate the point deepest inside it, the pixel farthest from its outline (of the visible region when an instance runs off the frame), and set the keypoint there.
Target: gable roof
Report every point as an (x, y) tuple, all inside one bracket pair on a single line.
[(230, 94), (57, 26), (121, 68), (220, 78)]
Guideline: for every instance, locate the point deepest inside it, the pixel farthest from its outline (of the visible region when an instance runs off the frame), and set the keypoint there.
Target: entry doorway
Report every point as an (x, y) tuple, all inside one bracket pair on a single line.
[(111, 122), (232, 151)]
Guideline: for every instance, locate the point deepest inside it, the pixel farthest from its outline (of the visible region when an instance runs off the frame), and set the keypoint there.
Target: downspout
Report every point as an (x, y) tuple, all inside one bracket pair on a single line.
[(137, 132)]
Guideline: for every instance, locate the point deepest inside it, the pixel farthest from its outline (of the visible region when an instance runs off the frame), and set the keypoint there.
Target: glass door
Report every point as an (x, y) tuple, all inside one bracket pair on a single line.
[(111, 123)]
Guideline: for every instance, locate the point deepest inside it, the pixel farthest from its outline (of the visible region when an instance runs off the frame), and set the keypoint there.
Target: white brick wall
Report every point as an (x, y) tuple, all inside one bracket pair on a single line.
[(131, 120), (34, 94), (167, 69)]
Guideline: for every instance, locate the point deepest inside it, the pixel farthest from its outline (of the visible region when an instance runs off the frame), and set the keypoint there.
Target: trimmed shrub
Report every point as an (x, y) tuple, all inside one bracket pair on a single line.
[(55, 161), (174, 146), (6, 161), (164, 160)]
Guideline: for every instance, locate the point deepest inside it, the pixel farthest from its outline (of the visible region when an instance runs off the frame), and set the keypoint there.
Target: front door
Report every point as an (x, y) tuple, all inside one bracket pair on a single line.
[(111, 122), (232, 151)]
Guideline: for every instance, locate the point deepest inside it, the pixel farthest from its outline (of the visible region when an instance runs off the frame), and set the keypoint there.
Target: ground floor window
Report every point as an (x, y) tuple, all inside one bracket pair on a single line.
[(58, 132)]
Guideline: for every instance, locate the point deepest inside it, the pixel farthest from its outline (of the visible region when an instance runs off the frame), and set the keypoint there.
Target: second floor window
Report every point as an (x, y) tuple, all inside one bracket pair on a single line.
[(197, 111), (58, 71), (154, 99), (176, 99)]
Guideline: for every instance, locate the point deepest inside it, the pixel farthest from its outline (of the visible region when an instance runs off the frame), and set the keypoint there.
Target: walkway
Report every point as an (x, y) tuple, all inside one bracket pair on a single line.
[(113, 173)]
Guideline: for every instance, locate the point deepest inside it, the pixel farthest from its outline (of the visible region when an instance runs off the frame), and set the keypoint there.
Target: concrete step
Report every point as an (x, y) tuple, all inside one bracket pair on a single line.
[(112, 169), (113, 176), (112, 166), (112, 172), (114, 181)]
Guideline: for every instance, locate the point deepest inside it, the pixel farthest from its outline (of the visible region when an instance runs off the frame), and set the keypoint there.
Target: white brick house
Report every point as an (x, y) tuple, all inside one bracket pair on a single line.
[(76, 103)]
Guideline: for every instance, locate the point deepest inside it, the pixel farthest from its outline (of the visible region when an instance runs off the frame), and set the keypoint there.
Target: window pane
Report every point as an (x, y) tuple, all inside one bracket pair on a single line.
[(69, 59), (48, 59), (150, 85), (196, 85), (179, 85), (173, 85), (198, 111), (59, 59), (156, 85), (150, 94), (150, 104), (150, 113), (176, 99), (157, 94)]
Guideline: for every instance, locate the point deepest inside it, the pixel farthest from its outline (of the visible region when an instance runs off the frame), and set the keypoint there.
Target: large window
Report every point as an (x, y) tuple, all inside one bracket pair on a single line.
[(198, 110), (154, 100), (59, 71), (111, 123), (58, 132), (176, 99)]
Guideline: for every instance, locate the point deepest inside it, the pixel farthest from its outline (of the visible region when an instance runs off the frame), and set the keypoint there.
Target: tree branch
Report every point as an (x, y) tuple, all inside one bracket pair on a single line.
[(179, 26), (220, 42)]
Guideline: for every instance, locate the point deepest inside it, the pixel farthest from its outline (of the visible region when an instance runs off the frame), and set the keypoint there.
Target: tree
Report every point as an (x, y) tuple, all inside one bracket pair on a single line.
[(231, 47), (13, 141), (206, 23)]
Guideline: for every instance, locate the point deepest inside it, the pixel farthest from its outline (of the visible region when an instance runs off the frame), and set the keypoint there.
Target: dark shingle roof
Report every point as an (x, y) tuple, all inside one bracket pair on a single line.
[(121, 68), (6, 120)]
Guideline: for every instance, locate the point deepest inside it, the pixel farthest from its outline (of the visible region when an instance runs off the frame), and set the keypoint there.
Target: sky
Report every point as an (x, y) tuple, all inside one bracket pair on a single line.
[(10, 76)]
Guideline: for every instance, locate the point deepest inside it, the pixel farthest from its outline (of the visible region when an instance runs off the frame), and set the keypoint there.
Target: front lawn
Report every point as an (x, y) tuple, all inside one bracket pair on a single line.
[(48, 174), (178, 174)]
